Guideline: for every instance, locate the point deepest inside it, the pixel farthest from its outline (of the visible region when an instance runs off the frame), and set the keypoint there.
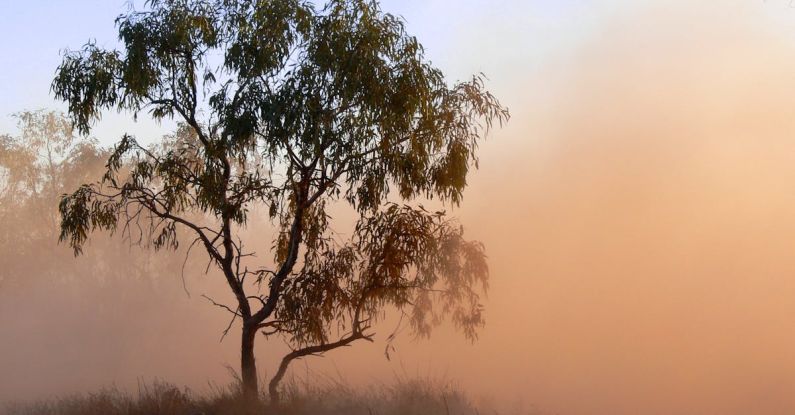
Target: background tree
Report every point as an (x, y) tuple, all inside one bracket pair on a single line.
[(37, 166), (35, 169), (293, 107), (81, 307)]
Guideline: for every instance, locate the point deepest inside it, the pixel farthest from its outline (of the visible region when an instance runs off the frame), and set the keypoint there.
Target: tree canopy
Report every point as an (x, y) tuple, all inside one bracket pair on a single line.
[(292, 107)]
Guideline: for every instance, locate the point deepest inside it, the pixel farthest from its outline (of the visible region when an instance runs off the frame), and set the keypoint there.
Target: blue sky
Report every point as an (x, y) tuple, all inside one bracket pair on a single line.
[(473, 36)]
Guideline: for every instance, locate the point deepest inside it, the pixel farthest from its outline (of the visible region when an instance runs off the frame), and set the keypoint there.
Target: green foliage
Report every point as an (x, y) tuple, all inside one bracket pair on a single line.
[(293, 107)]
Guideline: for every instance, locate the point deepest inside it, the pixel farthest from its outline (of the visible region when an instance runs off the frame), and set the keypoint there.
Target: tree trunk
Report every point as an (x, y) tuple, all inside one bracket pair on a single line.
[(273, 386), (248, 366)]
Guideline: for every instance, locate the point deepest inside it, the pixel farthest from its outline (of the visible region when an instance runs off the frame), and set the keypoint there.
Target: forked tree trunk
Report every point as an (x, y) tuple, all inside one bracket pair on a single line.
[(273, 386), (248, 366)]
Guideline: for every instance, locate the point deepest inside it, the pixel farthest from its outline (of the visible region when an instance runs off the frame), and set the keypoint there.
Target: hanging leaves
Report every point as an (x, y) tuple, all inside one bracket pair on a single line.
[(290, 107)]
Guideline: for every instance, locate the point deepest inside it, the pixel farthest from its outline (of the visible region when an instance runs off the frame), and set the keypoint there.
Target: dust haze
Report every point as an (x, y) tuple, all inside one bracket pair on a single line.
[(639, 216)]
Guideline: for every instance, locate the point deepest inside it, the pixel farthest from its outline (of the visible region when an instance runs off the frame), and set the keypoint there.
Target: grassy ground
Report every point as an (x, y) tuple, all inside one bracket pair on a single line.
[(401, 397)]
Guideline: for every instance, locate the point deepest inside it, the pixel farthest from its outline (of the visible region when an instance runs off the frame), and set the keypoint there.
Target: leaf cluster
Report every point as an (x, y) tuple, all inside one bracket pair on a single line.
[(402, 257)]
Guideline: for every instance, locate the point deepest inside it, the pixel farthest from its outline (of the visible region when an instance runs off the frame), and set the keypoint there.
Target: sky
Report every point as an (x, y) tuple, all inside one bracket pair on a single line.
[(43, 29), (637, 209)]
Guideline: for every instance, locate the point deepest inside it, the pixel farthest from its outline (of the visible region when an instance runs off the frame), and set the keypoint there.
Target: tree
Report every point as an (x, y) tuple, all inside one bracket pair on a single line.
[(48, 297), (292, 107), (36, 168)]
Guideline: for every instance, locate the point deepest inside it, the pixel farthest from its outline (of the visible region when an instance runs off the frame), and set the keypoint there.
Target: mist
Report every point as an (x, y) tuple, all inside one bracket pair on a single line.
[(637, 211), (642, 219)]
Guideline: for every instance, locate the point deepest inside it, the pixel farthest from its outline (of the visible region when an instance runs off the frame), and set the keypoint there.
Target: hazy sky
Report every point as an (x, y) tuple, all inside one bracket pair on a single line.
[(638, 210)]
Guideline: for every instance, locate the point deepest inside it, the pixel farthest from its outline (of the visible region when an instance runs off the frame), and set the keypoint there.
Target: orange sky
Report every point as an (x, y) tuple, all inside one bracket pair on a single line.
[(639, 215)]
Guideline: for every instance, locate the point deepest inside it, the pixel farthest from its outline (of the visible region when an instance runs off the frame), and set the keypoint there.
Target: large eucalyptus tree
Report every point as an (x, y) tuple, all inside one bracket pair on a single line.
[(292, 106)]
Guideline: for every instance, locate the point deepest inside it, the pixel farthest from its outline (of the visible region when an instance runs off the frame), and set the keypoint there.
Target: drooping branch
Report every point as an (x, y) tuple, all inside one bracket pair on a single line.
[(347, 340)]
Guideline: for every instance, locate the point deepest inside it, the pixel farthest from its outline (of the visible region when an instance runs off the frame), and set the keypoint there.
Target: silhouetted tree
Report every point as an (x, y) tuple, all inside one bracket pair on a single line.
[(293, 107)]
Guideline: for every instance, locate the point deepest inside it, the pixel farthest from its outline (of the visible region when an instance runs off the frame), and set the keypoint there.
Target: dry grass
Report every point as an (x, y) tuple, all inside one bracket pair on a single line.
[(158, 398), (401, 397)]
